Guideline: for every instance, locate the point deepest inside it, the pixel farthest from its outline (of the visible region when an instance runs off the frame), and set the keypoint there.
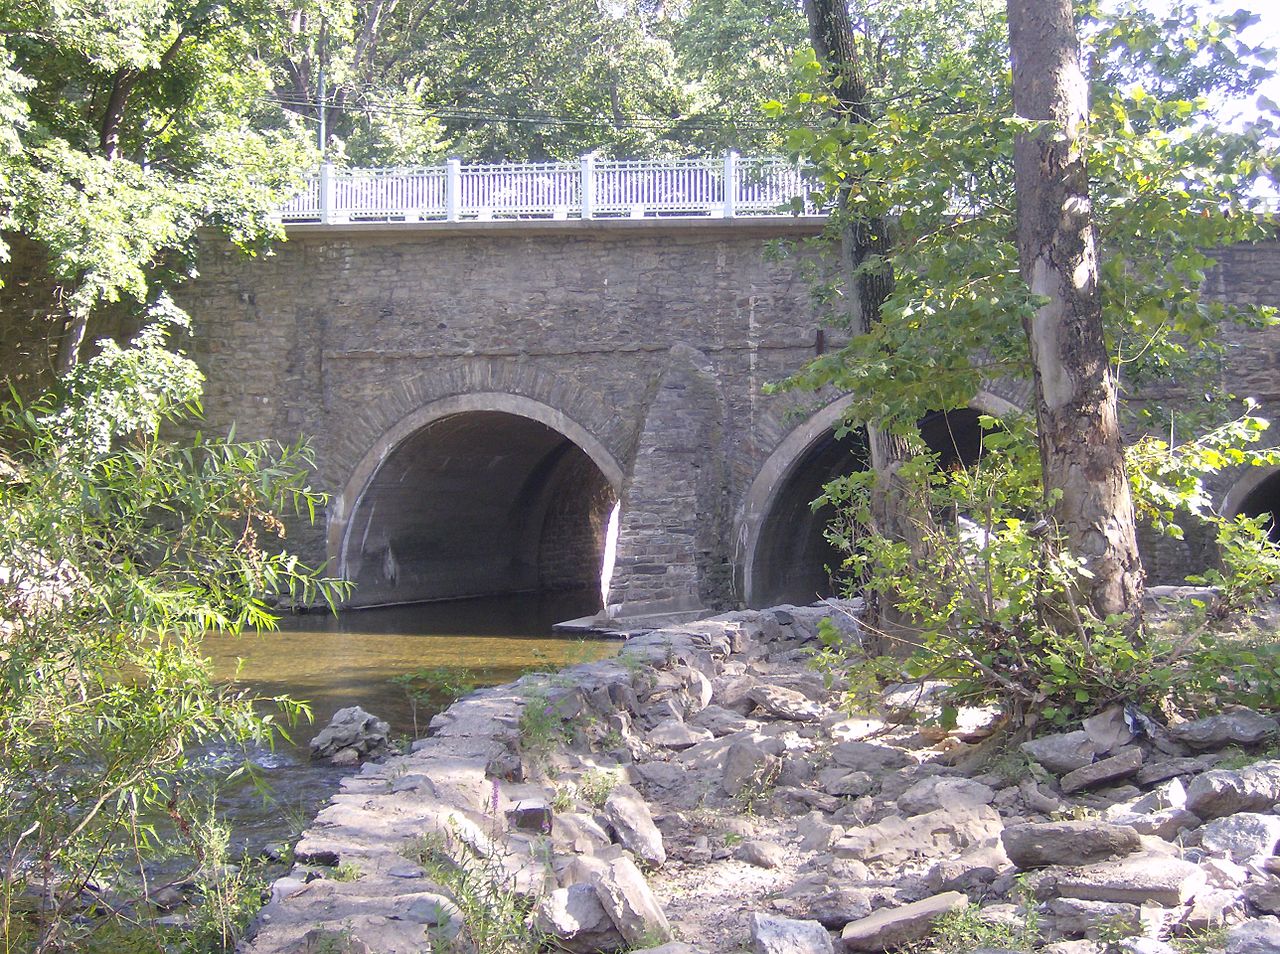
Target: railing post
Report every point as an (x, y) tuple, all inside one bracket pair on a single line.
[(730, 182), (453, 190), (588, 186), (326, 193)]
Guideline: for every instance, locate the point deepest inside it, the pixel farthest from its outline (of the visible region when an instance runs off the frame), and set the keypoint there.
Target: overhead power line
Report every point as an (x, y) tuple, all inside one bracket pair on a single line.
[(484, 114)]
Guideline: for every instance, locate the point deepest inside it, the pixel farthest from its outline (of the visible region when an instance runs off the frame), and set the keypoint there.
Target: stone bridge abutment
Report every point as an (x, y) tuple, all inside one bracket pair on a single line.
[(480, 396)]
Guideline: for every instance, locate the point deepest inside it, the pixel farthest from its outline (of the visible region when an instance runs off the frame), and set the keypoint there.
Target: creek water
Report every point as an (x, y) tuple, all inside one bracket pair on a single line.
[(332, 662)]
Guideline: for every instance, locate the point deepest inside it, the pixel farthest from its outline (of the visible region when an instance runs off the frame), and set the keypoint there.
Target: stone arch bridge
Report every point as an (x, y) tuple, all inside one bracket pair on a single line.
[(481, 394)]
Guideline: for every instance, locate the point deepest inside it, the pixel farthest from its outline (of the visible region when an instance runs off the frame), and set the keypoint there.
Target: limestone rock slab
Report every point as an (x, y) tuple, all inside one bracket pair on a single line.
[(775, 935), (626, 897), (893, 927), (628, 814), (1067, 843), (1137, 879)]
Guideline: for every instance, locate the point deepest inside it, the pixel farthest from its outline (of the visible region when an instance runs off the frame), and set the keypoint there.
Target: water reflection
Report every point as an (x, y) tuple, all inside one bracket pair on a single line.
[(349, 660)]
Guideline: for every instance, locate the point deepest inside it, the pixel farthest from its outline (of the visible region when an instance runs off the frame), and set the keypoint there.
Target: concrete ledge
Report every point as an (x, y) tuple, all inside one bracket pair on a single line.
[(756, 224)]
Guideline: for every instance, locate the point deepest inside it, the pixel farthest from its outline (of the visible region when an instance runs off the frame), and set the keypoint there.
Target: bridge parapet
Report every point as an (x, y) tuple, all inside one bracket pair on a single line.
[(721, 187)]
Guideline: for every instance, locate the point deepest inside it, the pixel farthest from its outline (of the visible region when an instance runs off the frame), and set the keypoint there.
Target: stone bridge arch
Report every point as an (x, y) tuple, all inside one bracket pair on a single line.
[(474, 494), (779, 548)]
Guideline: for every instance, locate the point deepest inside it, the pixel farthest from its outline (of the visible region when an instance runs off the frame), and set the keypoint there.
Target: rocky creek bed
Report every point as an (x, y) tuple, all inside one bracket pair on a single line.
[(700, 793)]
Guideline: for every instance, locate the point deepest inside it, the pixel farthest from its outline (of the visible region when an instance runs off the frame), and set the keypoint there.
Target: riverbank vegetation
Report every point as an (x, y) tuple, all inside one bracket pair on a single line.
[(119, 548), (1018, 578)]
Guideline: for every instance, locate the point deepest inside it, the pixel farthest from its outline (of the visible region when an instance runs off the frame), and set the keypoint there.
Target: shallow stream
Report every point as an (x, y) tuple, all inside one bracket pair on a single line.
[(350, 660)]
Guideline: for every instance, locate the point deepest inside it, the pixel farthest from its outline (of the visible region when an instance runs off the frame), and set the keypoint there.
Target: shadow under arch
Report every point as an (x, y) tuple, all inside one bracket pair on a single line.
[(781, 552), (472, 495), (1255, 494)]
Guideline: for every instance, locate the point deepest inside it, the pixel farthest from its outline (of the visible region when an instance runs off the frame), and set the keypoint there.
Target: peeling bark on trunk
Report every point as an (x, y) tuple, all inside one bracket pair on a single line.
[(831, 33), (1081, 447)]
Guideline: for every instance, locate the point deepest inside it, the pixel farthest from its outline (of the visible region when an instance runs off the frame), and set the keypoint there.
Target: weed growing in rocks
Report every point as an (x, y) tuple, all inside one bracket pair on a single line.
[(562, 801), (965, 929), (347, 871), (495, 916), (1207, 941), (542, 727), (434, 687), (756, 793), (230, 895), (594, 786)]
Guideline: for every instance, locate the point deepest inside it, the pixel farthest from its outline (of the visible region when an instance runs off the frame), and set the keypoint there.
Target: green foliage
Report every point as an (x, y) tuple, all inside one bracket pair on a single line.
[(495, 915), (965, 928), (434, 687), (990, 590), (230, 893), (346, 871), (129, 126), (543, 728), (1169, 184), (119, 549), (1205, 941)]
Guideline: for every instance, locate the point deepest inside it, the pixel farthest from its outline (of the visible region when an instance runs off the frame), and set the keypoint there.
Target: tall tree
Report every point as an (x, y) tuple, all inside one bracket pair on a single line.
[(867, 278), (1081, 448), (126, 128)]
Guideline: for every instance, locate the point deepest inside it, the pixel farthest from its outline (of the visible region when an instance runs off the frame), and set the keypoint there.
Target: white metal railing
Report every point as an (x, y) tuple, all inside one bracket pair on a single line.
[(723, 187)]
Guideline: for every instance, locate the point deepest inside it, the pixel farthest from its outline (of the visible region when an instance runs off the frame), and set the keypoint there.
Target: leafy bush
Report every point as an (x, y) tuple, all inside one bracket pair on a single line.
[(495, 915), (119, 549), (991, 592), (434, 687)]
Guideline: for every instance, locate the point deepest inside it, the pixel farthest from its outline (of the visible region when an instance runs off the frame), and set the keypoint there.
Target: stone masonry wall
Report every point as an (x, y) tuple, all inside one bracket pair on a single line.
[(339, 335)]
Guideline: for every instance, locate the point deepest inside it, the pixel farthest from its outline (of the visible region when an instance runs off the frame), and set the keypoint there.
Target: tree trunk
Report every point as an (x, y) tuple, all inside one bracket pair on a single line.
[(831, 33), (1081, 449), (72, 341)]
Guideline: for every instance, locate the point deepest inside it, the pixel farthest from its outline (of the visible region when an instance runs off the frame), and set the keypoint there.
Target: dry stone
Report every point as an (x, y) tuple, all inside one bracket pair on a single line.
[(720, 721), (1137, 879), (1242, 836), (1166, 823), (748, 765), (628, 815), (1063, 752), (674, 734), (1236, 725), (1108, 730), (782, 703), (1067, 843), (832, 903), (1259, 936), (934, 793), (1076, 917), (815, 832), (969, 871), (1124, 763), (775, 935), (1255, 788), (625, 895), (894, 927), (896, 839), (577, 920), (761, 854), (1153, 772), (868, 756)]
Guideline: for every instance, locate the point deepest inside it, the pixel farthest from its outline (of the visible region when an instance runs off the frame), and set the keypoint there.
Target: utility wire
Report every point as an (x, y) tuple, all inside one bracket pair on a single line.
[(484, 114)]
